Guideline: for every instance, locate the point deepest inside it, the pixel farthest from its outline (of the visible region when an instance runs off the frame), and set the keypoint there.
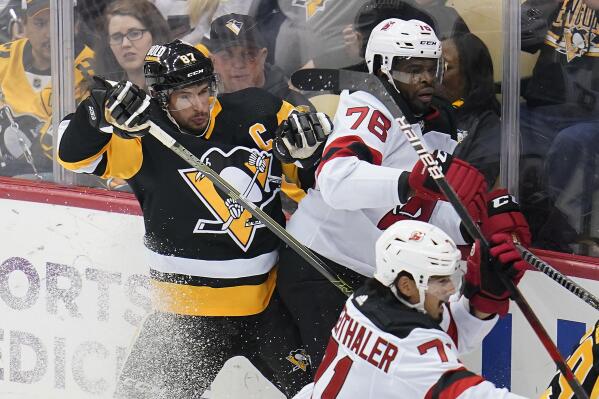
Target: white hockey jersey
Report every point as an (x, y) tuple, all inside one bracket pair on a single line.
[(381, 349), (356, 195)]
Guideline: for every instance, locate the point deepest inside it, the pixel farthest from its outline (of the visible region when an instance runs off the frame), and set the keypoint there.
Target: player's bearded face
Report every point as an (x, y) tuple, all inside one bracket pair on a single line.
[(190, 107), (416, 79)]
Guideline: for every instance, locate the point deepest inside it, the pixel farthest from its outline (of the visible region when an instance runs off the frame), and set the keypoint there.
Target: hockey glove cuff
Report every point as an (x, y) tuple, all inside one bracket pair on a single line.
[(298, 139), (504, 216)]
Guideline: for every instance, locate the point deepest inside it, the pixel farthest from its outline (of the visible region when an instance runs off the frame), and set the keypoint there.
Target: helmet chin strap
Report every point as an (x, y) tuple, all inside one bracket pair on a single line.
[(418, 306)]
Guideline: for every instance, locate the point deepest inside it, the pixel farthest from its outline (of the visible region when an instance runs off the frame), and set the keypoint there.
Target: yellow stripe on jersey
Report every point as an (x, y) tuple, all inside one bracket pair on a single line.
[(128, 161), (242, 300), (289, 185), (284, 112), (203, 49), (215, 111)]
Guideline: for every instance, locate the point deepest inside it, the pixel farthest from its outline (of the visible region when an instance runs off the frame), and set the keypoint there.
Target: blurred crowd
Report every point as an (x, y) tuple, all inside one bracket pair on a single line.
[(260, 43)]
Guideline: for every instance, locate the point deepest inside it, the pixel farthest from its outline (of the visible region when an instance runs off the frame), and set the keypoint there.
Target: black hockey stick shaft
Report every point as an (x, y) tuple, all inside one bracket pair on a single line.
[(561, 279), (258, 213), (338, 79)]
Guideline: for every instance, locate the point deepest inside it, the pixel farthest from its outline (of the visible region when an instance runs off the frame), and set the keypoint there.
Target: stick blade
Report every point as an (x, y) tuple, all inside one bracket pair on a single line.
[(317, 79), (337, 80)]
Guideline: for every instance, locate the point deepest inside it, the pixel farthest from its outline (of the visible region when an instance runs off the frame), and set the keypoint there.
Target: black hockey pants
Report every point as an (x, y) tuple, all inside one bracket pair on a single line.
[(313, 301), (177, 356)]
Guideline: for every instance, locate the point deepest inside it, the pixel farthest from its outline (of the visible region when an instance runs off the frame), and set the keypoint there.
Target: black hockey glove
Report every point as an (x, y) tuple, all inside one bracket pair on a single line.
[(298, 139), (126, 110), (119, 108)]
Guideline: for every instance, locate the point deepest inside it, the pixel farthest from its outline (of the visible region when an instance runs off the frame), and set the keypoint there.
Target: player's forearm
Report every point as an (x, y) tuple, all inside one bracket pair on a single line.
[(78, 140), (351, 184)]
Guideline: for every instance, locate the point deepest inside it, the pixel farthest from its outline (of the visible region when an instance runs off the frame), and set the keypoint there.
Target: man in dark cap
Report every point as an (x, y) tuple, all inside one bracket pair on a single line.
[(239, 54)]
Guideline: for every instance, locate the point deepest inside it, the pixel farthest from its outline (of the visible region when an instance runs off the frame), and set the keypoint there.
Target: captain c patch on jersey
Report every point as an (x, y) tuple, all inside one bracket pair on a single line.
[(253, 180)]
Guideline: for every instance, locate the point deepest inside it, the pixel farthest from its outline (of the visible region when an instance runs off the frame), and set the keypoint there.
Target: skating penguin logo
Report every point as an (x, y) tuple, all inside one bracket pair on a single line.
[(254, 181), (311, 6)]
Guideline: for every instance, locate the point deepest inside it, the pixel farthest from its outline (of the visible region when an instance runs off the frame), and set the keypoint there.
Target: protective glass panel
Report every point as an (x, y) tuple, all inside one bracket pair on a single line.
[(559, 125)]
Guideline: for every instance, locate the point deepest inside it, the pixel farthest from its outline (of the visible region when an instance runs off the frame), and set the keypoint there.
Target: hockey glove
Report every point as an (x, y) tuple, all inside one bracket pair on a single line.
[(483, 287), (125, 109), (299, 138), (468, 183), (504, 216)]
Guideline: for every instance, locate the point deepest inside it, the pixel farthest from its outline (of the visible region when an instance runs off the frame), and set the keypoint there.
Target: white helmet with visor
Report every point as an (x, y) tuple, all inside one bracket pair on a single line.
[(395, 39), (423, 251)]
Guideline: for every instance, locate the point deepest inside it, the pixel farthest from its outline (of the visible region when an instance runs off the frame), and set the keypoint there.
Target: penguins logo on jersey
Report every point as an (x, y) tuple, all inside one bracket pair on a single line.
[(311, 6), (579, 23), (300, 359), (254, 181)]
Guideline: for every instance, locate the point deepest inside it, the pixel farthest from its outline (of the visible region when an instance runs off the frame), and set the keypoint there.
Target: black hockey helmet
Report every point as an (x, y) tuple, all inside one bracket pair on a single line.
[(175, 65)]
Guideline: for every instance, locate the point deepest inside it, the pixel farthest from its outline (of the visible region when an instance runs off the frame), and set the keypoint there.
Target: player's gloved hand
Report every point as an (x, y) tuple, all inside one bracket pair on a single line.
[(483, 286), (235, 209), (468, 183), (125, 109), (504, 216), (299, 138)]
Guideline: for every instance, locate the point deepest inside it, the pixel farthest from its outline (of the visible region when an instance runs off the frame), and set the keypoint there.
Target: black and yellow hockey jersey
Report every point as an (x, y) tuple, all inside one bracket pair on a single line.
[(26, 107), (207, 255), (584, 363)]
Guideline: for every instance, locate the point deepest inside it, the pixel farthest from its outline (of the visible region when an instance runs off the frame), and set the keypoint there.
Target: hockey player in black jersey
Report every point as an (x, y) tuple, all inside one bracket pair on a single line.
[(212, 265)]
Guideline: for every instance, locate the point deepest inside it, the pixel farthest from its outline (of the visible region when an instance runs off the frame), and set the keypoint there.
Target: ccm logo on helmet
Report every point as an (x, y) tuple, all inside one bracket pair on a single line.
[(199, 71), (428, 43)]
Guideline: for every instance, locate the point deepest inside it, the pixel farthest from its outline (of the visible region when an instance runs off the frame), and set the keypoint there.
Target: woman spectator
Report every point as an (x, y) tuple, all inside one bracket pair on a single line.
[(129, 30), (468, 84)]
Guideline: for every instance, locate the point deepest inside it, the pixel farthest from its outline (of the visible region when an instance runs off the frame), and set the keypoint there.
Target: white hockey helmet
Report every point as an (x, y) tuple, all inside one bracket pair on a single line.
[(420, 249), (395, 38)]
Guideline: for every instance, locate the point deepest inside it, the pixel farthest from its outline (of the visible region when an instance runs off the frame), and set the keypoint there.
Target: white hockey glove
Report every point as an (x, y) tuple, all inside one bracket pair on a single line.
[(298, 139), (235, 209), (258, 160), (126, 109)]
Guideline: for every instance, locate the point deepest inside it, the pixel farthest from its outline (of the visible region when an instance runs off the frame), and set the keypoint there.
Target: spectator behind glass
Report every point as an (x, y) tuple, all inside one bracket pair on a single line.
[(468, 84), (560, 120), (239, 55), (130, 28), (25, 104), (189, 20), (447, 20)]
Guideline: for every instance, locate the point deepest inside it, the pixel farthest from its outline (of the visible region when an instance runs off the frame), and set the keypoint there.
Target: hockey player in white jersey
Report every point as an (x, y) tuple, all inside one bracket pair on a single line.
[(403, 332), (370, 177)]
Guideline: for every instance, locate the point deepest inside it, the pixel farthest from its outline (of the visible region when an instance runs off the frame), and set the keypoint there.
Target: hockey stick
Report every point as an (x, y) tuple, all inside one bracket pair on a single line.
[(258, 213), (324, 79), (560, 278), (337, 80)]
